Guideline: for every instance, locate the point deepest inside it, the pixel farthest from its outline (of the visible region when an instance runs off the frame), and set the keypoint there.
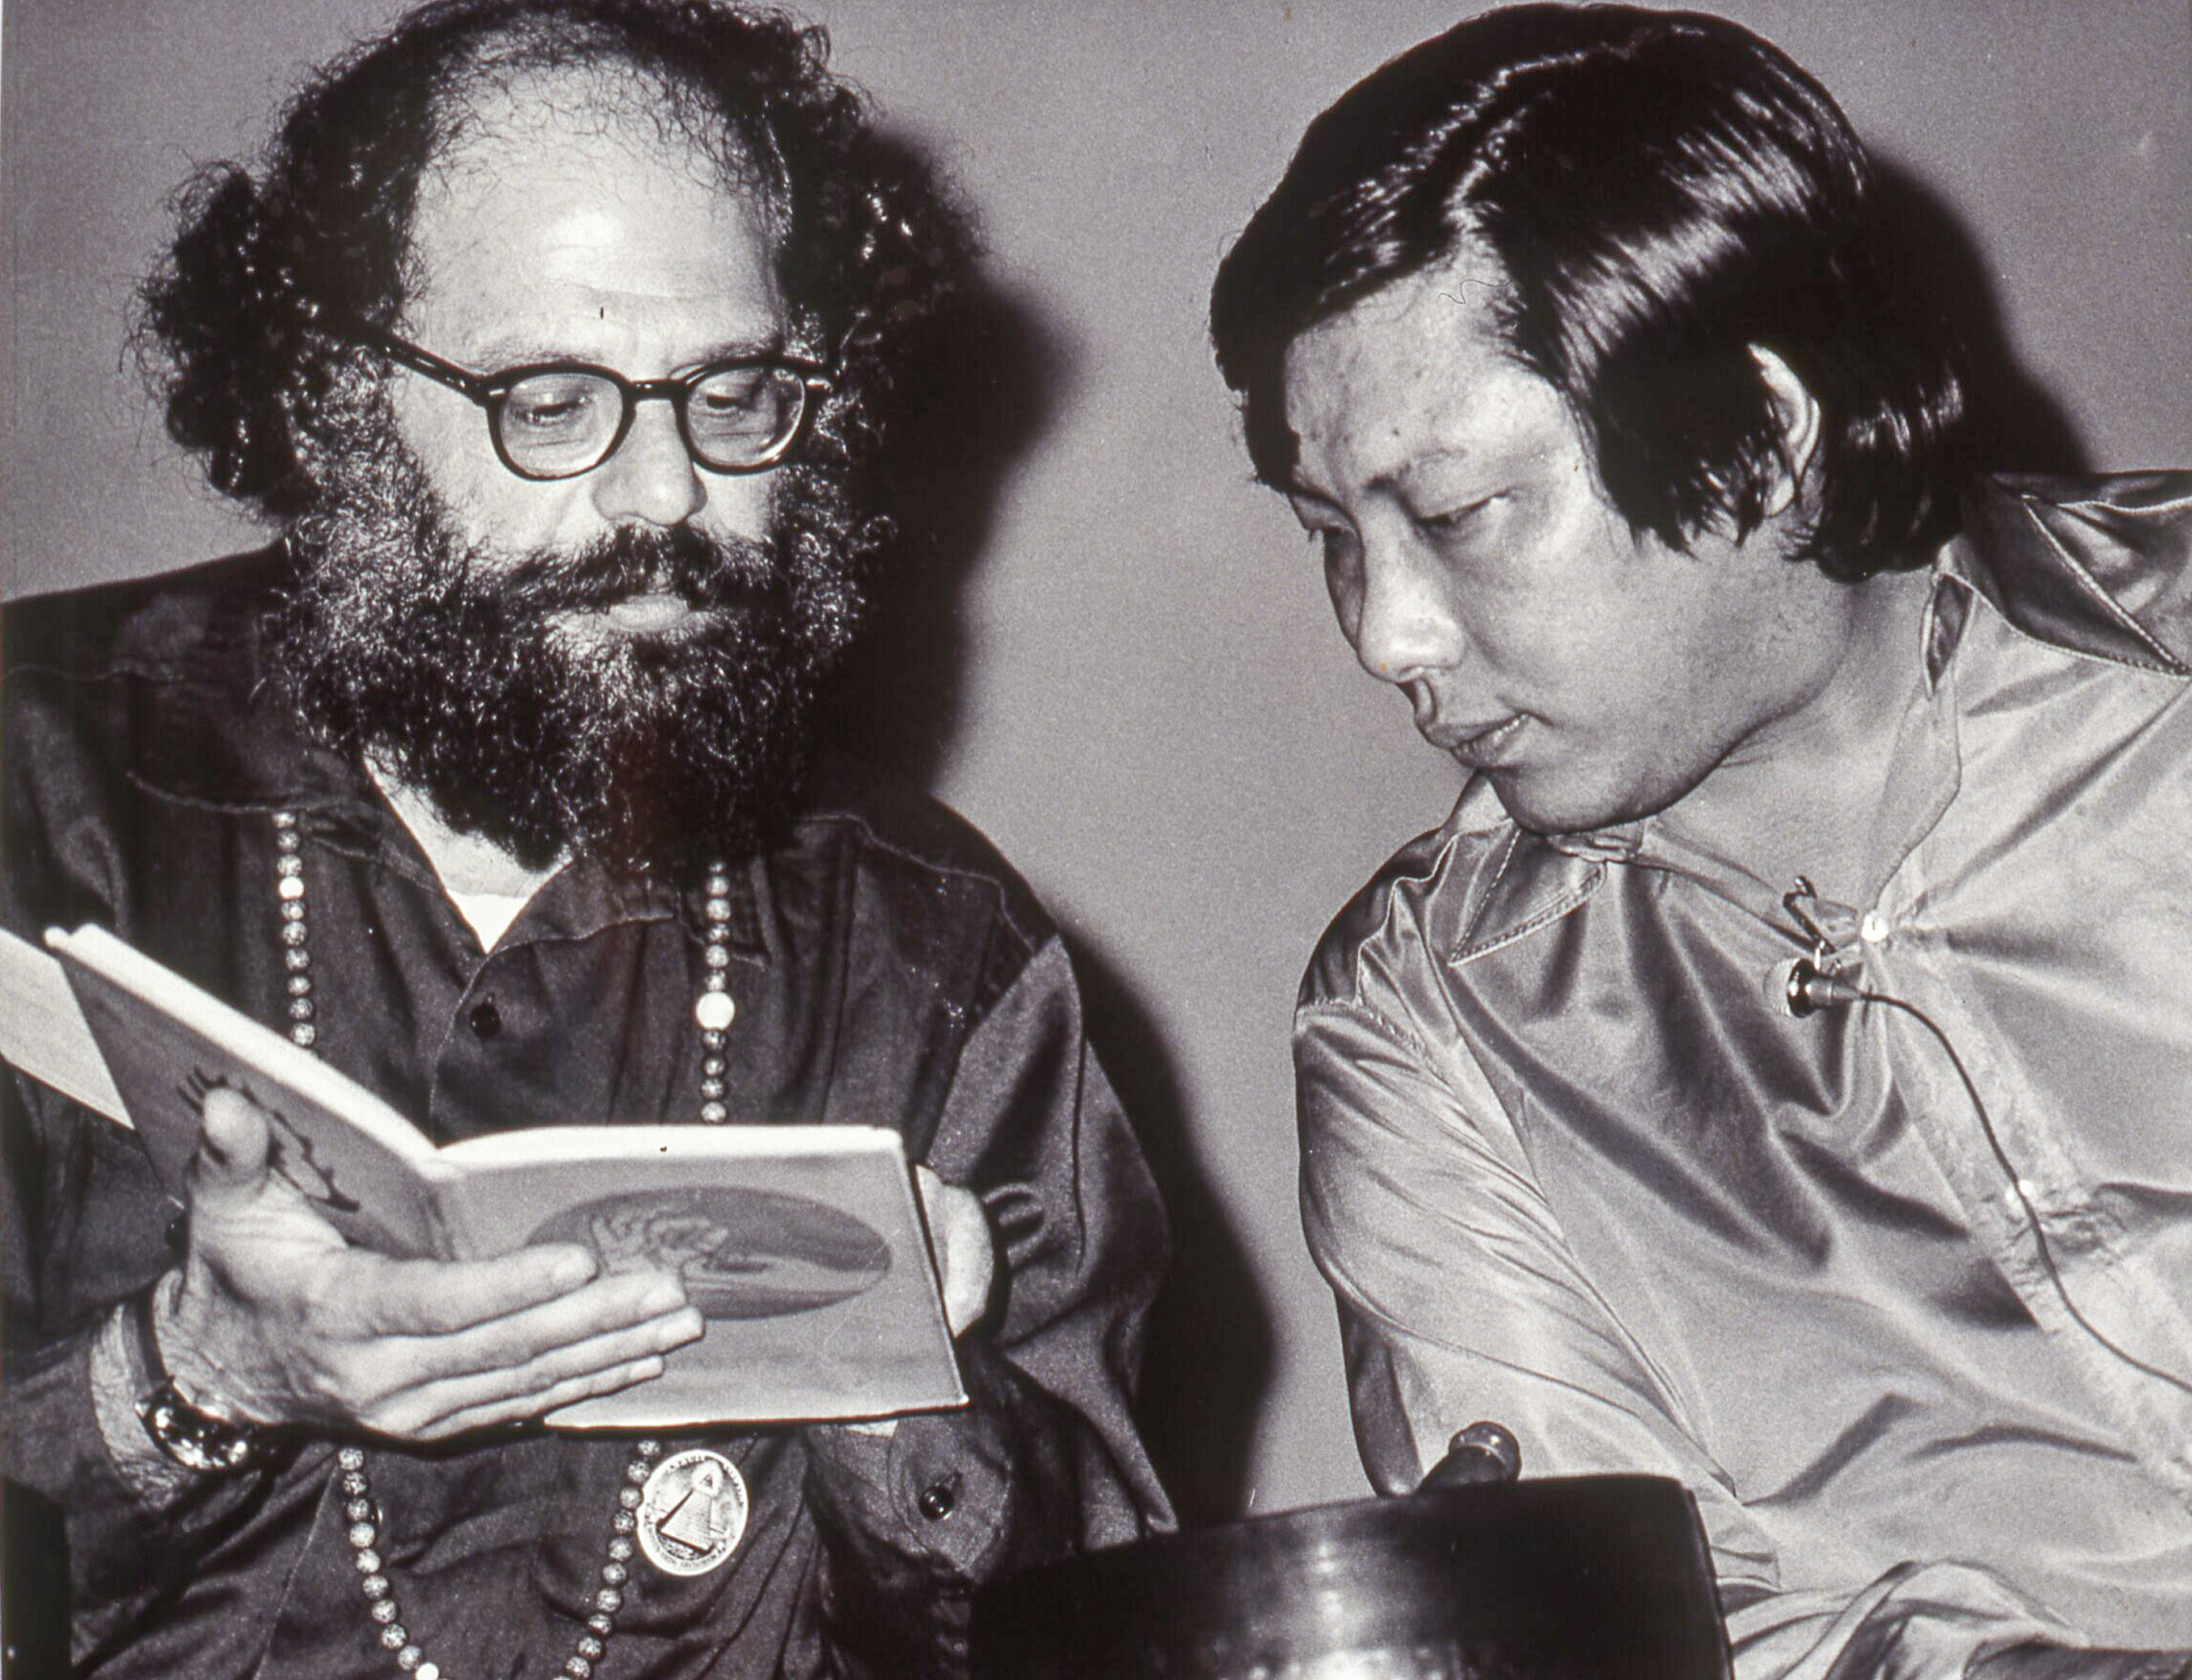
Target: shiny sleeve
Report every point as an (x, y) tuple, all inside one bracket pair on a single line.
[(1044, 1461), (1460, 1300)]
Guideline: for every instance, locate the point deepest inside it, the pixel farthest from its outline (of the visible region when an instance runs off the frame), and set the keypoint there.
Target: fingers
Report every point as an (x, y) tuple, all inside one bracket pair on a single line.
[(966, 1255), (555, 1377), (289, 1324), (431, 1297), (512, 1367), (246, 1219), (608, 1306), (568, 1393)]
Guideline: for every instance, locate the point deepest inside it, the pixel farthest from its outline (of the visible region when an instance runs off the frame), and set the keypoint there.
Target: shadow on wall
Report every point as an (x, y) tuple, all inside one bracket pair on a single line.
[(2019, 427), (990, 385), (1210, 1336), (984, 386)]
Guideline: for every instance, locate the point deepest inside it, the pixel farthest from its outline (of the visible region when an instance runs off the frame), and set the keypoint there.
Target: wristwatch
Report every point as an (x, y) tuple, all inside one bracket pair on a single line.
[(184, 1435)]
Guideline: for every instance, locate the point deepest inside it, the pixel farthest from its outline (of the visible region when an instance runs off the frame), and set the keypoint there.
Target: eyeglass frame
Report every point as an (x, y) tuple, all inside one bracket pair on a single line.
[(491, 391)]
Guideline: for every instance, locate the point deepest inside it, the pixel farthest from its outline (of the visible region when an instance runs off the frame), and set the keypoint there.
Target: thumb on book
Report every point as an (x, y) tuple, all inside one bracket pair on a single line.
[(966, 1255), (232, 1138)]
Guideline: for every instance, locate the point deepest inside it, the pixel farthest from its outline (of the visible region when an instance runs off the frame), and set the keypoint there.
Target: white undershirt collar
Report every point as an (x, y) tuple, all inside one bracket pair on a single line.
[(483, 884)]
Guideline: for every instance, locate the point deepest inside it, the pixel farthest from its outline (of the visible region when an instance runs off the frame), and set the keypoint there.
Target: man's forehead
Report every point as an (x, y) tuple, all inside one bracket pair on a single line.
[(1459, 300), (566, 220), (605, 117), (1404, 368)]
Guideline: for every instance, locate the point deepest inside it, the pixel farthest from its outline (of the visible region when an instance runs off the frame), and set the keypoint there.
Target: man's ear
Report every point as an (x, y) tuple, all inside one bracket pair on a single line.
[(1796, 420)]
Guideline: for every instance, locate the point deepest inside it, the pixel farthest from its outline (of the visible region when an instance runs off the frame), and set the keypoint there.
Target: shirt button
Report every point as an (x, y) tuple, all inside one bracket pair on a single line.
[(487, 1019), (938, 1501), (1872, 929)]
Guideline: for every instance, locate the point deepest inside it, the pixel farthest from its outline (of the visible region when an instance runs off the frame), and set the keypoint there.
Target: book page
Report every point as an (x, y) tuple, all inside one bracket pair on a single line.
[(43, 1032), (802, 1248), (529, 1146), (364, 1168)]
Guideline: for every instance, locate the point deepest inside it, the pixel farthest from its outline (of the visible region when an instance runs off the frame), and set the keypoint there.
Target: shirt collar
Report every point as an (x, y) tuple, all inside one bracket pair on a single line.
[(216, 729), (2097, 567), (2101, 567), (1925, 770), (578, 901)]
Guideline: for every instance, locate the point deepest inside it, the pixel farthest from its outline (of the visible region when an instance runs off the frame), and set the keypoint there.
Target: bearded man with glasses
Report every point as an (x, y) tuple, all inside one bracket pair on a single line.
[(563, 342)]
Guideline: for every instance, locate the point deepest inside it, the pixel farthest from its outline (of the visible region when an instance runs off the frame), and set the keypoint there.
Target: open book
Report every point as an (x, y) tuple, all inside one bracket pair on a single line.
[(802, 1246)]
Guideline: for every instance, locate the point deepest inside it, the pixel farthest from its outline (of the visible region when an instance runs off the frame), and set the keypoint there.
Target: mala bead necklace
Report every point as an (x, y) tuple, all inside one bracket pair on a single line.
[(296, 937), (713, 1012), (364, 1531)]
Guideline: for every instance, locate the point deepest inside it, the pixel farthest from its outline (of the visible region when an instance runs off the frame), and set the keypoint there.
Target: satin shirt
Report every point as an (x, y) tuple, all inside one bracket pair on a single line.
[(1902, 1291)]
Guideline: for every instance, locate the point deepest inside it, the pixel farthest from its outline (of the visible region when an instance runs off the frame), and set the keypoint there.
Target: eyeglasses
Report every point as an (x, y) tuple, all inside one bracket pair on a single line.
[(558, 419)]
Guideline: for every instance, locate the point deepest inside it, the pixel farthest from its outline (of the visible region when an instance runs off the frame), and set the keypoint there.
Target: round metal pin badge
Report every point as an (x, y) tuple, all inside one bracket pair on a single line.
[(692, 1512)]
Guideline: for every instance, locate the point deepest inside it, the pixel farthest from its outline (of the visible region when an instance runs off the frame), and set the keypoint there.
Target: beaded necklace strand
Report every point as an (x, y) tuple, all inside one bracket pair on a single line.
[(713, 1011), (365, 1518)]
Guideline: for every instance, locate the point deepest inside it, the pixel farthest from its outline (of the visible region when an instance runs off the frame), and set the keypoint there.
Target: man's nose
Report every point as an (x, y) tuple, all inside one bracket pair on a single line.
[(1405, 624), (652, 476)]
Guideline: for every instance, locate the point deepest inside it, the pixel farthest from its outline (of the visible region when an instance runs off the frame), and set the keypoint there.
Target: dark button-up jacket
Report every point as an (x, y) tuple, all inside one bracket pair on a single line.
[(889, 969)]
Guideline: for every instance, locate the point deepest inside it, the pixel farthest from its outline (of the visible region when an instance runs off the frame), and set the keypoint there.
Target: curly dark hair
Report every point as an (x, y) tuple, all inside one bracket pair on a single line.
[(1662, 192), (235, 322)]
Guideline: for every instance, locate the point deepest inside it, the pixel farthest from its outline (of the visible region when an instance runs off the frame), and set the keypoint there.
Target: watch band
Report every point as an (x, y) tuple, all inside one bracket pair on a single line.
[(195, 1440)]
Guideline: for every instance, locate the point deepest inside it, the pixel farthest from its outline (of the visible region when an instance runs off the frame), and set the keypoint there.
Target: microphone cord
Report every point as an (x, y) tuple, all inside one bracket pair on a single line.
[(1815, 989)]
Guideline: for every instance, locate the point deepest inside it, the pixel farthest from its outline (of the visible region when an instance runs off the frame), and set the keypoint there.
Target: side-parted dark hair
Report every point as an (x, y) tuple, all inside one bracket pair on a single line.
[(236, 321), (1661, 190)]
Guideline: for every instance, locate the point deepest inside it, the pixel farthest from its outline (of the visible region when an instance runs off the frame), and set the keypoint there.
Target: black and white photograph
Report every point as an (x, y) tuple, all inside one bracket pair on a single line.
[(1086, 840)]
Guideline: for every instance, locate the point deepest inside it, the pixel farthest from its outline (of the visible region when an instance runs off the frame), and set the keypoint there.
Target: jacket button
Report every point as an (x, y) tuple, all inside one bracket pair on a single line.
[(487, 1019), (937, 1501)]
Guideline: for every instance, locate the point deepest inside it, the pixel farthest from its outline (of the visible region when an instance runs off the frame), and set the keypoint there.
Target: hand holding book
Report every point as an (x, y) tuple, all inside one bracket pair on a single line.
[(279, 1320), (342, 1267)]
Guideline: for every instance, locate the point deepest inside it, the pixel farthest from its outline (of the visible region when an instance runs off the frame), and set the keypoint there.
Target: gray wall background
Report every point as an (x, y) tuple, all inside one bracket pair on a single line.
[(1151, 711)]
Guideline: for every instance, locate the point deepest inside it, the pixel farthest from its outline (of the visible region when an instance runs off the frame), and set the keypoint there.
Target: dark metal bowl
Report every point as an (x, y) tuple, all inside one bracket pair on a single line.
[(1577, 1578)]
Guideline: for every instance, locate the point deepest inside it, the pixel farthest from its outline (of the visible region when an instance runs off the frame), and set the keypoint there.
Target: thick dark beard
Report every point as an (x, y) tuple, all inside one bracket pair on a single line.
[(440, 662)]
